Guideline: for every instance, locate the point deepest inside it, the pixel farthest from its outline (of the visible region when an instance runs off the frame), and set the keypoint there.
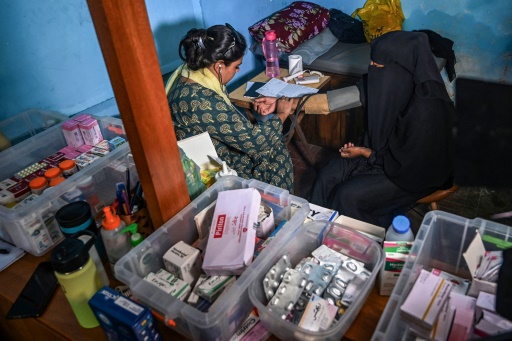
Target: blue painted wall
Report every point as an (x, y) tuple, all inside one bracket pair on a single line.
[(50, 56)]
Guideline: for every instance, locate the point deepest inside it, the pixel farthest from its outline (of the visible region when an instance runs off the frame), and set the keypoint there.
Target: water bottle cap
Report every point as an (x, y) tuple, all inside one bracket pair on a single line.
[(72, 254), (73, 214), (401, 224), (270, 35)]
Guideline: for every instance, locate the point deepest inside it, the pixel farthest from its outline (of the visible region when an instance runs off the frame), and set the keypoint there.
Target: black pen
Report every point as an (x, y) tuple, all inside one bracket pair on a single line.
[(128, 189)]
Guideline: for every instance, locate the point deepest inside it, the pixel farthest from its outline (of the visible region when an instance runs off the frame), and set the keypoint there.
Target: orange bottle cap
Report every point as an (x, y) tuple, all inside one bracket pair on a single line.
[(52, 173), (112, 220), (38, 182), (67, 164), (56, 181)]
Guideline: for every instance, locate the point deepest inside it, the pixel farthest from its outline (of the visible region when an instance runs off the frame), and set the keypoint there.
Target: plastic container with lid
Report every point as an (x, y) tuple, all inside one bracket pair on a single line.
[(117, 244), (38, 185), (52, 173), (400, 230), (68, 168)]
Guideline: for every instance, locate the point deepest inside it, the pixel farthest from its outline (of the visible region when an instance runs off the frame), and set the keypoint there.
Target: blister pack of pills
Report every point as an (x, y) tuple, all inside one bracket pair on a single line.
[(318, 278), (288, 293), (275, 275)]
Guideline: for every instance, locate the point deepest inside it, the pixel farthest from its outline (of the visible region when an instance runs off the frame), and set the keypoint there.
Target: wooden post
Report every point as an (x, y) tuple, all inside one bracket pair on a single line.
[(129, 51)]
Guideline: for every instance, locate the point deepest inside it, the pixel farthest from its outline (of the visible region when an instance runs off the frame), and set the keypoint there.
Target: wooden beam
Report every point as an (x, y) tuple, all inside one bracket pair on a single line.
[(129, 51)]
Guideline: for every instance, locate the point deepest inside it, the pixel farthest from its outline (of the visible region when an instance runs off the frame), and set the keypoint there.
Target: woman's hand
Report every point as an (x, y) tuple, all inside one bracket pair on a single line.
[(265, 105), (349, 151)]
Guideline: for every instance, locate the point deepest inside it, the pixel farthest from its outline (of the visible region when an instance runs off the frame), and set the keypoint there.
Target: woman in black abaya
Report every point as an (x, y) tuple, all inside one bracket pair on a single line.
[(406, 152)]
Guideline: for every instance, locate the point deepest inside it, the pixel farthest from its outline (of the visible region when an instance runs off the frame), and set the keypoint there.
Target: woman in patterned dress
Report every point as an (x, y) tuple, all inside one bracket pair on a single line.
[(199, 103)]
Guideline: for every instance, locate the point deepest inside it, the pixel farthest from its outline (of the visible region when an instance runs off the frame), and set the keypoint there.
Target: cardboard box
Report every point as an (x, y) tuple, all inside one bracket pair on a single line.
[(460, 285), (321, 213), (462, 325), (472, 256), (232, 234), (91, 132), (485, 301), (183, 261), (121, 318), (72, 133), (442, 326), (396, 255), (375, 232), (169, 283), (265, 221), (425, 301)]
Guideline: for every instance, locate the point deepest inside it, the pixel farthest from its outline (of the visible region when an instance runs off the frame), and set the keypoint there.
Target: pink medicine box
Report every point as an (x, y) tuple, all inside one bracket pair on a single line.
[(72, 133), (91, 131), (81, 117)]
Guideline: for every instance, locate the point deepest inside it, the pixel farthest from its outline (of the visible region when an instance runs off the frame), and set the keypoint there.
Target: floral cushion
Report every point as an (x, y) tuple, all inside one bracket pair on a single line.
[(293, 24)]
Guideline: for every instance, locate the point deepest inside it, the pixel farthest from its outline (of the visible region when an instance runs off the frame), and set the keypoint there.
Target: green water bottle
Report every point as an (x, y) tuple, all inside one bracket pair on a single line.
[(77, 276)]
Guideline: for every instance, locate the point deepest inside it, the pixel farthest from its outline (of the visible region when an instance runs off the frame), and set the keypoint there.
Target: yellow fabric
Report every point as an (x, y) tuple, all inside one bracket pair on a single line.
[(317, 105), (379, 17), (204, 77)]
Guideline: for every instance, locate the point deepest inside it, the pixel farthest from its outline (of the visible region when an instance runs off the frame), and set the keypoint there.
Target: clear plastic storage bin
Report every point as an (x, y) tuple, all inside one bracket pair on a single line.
[(29, 123), (440, 243), (26, 226), (303, 241), (230, 310)]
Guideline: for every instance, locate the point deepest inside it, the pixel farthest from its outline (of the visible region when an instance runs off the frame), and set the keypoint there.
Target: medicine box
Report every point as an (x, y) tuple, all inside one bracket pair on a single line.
[(440, 243), (301, 244), (122, 318), (234, 305), (29, 123), (96, 183)]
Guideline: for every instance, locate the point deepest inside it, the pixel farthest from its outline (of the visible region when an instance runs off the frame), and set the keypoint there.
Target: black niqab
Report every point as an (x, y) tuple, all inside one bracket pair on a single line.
[(409, 113)]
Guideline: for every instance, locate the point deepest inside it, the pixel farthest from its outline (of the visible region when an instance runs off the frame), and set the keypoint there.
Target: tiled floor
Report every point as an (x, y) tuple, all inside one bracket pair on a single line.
[(466, 202)]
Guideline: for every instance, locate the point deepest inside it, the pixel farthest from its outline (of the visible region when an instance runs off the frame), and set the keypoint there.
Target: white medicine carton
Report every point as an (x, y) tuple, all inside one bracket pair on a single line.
[(232, 236), (183, 261), (472, 256)]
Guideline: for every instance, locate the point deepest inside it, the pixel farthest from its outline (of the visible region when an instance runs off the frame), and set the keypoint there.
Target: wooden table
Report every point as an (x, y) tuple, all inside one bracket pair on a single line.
[(237, 96), (59, 323)]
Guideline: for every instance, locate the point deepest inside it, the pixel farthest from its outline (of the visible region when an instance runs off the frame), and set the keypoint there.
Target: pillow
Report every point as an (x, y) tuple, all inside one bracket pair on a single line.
[(293, 24), (315, 47)]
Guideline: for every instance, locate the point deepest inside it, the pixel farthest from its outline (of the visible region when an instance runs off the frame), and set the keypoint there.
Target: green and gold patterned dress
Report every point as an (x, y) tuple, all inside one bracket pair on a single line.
[(254, 151)]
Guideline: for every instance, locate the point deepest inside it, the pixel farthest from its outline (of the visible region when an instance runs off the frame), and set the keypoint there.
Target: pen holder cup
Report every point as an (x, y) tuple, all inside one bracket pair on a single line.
[(142, 219)]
